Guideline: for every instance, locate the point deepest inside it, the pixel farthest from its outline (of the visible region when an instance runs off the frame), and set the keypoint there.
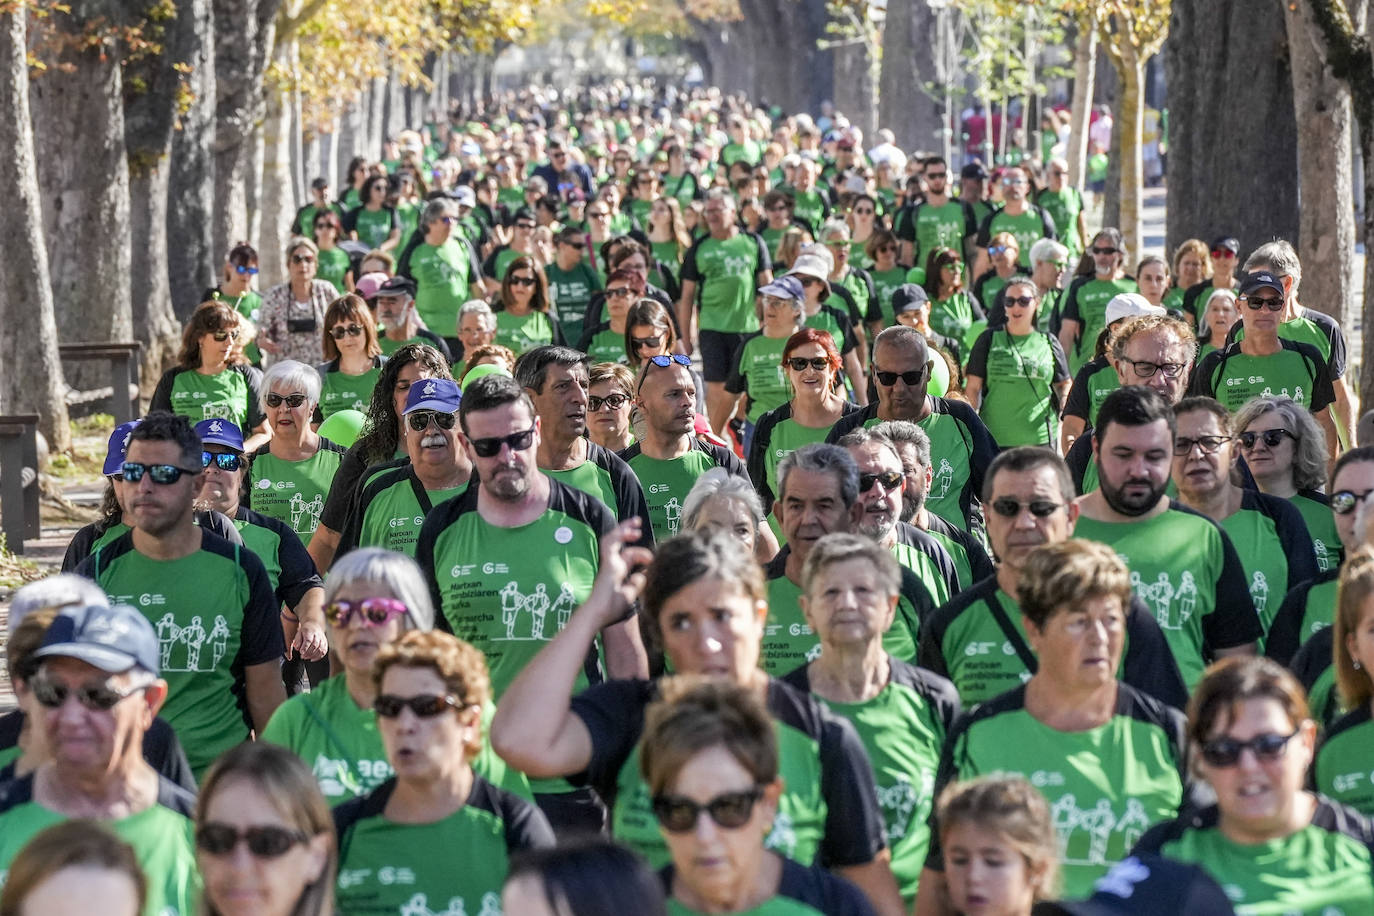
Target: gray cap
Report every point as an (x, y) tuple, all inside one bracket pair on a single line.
[(113, 638)]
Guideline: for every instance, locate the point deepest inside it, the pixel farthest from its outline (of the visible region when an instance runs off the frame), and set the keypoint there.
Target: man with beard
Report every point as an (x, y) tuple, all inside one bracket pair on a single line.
[(510, 558), (818, 494), (978, 640), (1182, 564), (557, 380), (881, 483)]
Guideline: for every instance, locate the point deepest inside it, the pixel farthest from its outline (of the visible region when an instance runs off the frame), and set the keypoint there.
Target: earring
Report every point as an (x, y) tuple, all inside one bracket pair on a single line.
[(1356, 663)]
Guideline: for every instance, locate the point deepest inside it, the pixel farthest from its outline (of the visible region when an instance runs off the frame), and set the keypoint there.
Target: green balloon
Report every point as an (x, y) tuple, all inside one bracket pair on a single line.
[(939, 376), (483, 371), (343, 427)]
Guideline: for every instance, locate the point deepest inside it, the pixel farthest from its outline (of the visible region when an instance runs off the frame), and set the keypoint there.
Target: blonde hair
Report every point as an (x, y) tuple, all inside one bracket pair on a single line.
[(1356, 587), (1012, 807), (1063, 574)]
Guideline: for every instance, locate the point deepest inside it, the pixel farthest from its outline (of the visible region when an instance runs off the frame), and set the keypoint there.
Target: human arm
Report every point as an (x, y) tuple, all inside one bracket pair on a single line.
[(1343, 410), (876, 881), (1070, 429), (626, 658), (857, 379), (323, 543), (973, 390), (1069, 330), (687, 315), (309, 638), (264, 692)]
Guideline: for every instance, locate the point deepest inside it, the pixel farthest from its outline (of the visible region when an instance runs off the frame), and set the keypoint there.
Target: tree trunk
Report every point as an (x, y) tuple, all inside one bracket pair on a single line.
[(1084, 73), (350, 140), (855, 92), (32, 378), (376, 97), (193, 262), (1213, 171), (1130, 127), (277, 202), (908, 67)]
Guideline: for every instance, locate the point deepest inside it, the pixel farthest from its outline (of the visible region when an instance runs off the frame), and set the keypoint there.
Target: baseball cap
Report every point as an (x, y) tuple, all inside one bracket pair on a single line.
[(1148, 885), (1259, 279), (1226, 243), (465, 196), (439, 394), (368, 284), (974, 170), (908, 298), (397, 286), (784, 287), (219, 431), (112, 638), (1129, 305), (118, 448)]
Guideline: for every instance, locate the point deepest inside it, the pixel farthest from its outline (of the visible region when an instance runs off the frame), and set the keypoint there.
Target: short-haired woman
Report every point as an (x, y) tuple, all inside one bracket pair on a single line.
[(293, 312)]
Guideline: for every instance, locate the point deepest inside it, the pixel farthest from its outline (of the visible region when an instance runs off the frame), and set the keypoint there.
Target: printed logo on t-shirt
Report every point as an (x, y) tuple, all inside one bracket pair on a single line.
[(339, 778), (673, 512), (898, 802), (300, 508), (214, 409), (1325, 560), (1259, 591), (419, 906), (943, 480), (1098, 824), (182, 648), (783, 837), (528, 614), (1172, 605)]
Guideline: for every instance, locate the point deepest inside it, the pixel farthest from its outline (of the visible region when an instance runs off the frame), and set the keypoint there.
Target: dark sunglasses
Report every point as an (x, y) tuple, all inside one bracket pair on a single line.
[(338, 332), (1183, 446), (222, 336), (1272, 303), (640, 342), (225, 461), (617, 291), (890, 481), (1343, 502), (524, 225), (613, 401), (1108, 250), (1019, 300), (911, 379), (730, 810), (1011, 508), (522, 281), (1225, 752), (1145, 369), (99, 697), (291, 400), (425, 705), (575, 243), (265, 842), (160, 473), (370, 612), (419, 419), (302, 259), (252, 271), (491, 447), (932, 176), (1270, 437), (799, 364)]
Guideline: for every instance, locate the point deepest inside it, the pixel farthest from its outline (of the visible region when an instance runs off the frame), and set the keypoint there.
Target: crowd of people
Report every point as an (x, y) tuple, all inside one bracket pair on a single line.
[(651, 504)]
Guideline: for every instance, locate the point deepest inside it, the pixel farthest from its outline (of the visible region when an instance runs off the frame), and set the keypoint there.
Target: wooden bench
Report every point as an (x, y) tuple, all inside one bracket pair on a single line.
[(122, 360), (19, 479)]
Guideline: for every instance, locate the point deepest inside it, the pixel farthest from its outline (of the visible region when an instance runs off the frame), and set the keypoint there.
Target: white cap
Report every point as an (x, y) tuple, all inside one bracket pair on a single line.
[(1131, 305)]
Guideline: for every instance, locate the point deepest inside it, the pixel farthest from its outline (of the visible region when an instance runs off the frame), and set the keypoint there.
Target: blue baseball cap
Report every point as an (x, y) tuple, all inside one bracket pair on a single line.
[(113, 638), (219, 431), (785, 287), (118, 448), (439, 394)]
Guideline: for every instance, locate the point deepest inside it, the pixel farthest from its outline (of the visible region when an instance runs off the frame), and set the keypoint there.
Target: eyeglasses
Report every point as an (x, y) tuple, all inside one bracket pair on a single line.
[(1225, 752), (425, 705), (1273, 303), (615, 292), (491, 447), (890, 481), (1107, 250), (302, 259), (910, 379), (799, 364), (160, 473), (1270, 437), (225, 461), (730, 810), (613, 401), (264, 842), (419, 419), (252, 271), (522, 281), (222, 336), (447, 220), (936, 176), (291, 400), (1223, 253), (1007, 507), (1183, 446), (640, 343), (1019, 300), (1145, 369), (370, 612), (338, 333), (99, 697), (1343, 502), (864, 212)]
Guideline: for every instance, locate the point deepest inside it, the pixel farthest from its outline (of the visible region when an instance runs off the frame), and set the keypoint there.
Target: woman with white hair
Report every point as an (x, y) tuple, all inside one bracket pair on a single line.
[(729, 503)]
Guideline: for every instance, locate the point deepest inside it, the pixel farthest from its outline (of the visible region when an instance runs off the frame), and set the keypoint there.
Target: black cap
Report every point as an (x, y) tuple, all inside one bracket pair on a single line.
[(319, 184), (908, 298), (1260, 279), (1148, 886), (974, 170), (1227, 243), (397, 286), (522, 213)]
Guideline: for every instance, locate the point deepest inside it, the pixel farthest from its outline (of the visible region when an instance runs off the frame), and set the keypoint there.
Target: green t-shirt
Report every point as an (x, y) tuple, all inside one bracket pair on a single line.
[(606, 345), (1344, 769), (1093, 390), (1063, 206), (1086, 302), (1019, 373), (1321, 526), (758, 373), (225, 394), (1296, 371), (443, 282), (347, 392), (522, 333), (1274, 551), (726, 272), (952, 317), (748, 151), (332, 266), (939, 227), (571, 291), (409, 216), (373, 226), (809, 207), (391, 509), (885, 283), (1028, 227), (249, 305), (294, 491), (667, 483)]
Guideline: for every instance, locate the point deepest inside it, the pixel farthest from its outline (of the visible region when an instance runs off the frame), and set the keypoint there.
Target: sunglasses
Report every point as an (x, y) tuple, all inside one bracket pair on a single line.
[(616, 292), (1343, 502), (663, 362), (1270, 437), (910, 379), (302, 259), (522, 281), (370, 612), (526, 226), (291, 400), (222, 336), (419, 419), (1107, 250), (252, 271), (613, 401), (576, 243), (598, 214), (1223, 253), (1145, 369), (936, 176), (1225, 752), (1183, 446), (160, 473), (799, 364), (339, 332), (1019, 300), (1273, 303), (1013, 181), (997, 249), (730, 810), (425, 705), (640, 342), (888, 249), (1010, 508), (222, 460), (99, 697), (863, 212), (491, 447), (890, 481), (265, 842)]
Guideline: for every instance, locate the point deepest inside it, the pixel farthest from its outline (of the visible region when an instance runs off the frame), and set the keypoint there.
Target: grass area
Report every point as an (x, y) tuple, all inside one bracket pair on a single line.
[(90, 437), (15, 570)]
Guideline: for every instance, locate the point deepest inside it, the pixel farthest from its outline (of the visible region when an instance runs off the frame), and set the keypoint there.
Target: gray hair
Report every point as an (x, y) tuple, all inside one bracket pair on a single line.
[(291, 374), (437, 209), (900, 336), (298, 242), (481, 309), (719, 483), (1309, 451), (820, 458), (863, 435), (1279, 257), (840, 547), (60, 591), (904, 432), (722, 195), (395, 572), (835, 228), (1047, 251)]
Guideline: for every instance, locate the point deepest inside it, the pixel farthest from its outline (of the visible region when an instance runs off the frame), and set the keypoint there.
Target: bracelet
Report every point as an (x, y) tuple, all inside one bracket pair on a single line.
[(291, 616)]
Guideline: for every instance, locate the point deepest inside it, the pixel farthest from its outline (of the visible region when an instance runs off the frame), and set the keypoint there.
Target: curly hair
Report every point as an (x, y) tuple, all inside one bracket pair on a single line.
[(382, 432)]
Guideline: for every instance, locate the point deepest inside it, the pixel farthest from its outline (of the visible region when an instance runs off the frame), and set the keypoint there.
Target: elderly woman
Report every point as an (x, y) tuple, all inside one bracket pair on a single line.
[(293, 312), (722, 501), (205, 383), (710, 759), (1219, 314), (610, 395), (476, 327), (1101, 751), (523, 319), (453, 830), (757, 369), (444, 269), (1275, 847), (851, 585), (1342, 766), (353, 357), (704, 606)]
